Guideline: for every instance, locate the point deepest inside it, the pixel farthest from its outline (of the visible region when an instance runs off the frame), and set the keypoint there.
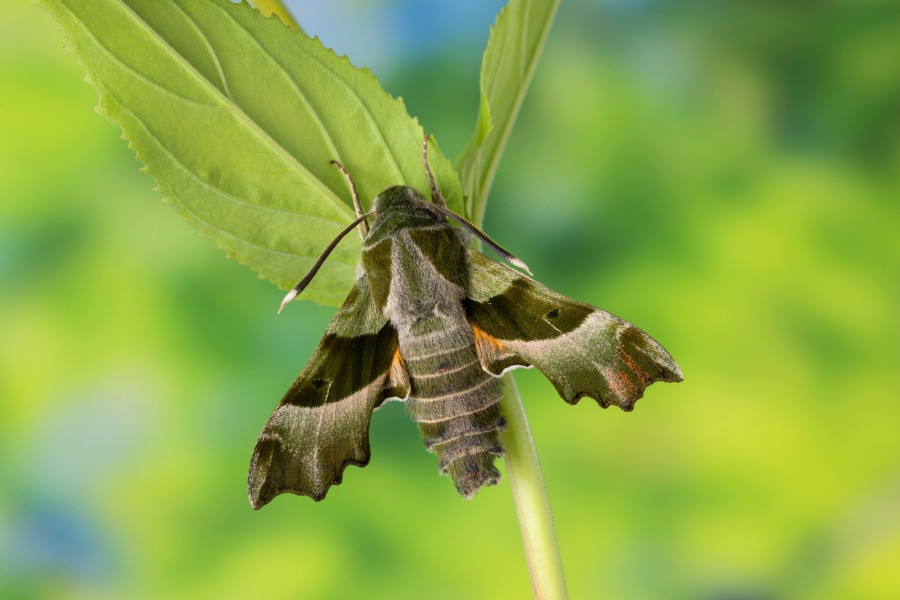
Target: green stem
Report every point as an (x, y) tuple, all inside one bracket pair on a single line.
[(530, 498), (276, 7)]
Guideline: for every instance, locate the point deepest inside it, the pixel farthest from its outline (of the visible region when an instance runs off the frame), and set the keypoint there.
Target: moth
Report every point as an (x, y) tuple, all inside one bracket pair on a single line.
[(435, 323)]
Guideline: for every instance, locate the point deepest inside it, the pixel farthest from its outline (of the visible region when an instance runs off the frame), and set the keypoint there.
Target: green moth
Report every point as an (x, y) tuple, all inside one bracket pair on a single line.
[(435, 323)]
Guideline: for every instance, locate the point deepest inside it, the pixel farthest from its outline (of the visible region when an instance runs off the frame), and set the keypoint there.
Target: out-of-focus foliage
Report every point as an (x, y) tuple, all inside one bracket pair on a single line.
[(510, 59), (724, 175)]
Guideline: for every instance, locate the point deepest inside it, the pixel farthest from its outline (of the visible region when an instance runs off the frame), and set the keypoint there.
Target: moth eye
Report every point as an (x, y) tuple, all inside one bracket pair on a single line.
[(552, 314), (319, 383)]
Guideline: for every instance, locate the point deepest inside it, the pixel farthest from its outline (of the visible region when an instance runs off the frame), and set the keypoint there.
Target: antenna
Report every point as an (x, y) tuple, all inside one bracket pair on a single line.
[(357, 207), (506, 254), (295, 291), (436, 195)]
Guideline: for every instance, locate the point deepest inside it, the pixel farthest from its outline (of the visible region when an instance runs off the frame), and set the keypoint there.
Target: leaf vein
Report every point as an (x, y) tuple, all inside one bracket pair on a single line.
[(389, 151), (240, 240), (196, 214), (206, 42), (129, 69), (523, 69), (350, 92), (221, 191), (326, 136), (243, 117)]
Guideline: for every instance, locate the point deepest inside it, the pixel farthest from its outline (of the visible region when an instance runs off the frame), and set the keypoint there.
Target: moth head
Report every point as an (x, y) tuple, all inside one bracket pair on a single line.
[(403, 199), (404, 202)]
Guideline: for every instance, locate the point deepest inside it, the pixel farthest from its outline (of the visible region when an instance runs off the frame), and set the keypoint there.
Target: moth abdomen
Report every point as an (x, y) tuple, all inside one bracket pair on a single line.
[(468, 454), (482, 421), (456, 405), (472, 472), (461, 447)]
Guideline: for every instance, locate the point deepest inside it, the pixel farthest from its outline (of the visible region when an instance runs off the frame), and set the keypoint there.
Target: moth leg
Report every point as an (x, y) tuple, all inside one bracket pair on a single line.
[(436, 196), (364, 225)]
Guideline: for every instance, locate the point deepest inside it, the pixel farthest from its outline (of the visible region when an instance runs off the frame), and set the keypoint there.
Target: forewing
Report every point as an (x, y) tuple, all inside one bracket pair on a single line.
[(322, 423), (582, 350)]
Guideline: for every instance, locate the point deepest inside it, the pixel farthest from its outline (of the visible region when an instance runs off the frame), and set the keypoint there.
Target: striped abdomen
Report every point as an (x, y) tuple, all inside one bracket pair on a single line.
[(454, 401)]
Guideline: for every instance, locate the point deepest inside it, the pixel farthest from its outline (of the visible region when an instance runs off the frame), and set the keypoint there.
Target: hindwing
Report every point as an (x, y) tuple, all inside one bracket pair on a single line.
[(582, 350)]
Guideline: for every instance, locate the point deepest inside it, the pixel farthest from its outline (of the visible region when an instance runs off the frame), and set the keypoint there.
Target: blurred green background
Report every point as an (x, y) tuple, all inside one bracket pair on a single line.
[(725, 175)]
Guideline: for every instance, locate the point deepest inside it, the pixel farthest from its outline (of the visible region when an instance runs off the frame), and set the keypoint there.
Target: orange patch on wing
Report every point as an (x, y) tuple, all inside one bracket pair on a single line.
[(483, 338), (397, 371), (398, 359), (642, 375), (619, 384)]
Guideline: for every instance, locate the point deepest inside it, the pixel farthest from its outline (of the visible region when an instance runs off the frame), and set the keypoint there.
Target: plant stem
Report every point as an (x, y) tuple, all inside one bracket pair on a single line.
[(530, 498), (277, 7)]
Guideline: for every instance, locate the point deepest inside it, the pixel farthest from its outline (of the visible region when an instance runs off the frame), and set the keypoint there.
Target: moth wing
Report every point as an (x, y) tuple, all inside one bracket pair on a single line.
[(322, 423), (582, 350)]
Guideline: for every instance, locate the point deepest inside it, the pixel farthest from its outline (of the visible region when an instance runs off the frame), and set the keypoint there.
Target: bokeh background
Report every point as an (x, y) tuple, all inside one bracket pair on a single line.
[(725, 175)]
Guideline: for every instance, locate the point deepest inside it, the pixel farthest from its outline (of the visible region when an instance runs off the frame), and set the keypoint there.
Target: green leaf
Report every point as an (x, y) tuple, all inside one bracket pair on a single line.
[(236, 117), (506, 70)]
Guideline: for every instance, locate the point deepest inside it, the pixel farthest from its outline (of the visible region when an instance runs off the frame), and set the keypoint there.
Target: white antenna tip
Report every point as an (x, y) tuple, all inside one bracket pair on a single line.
[(290, 296), (518, 263)]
